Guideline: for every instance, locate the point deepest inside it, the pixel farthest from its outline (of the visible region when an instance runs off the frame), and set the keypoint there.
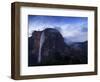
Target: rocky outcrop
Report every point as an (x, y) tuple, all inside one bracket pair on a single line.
[(47, 47)]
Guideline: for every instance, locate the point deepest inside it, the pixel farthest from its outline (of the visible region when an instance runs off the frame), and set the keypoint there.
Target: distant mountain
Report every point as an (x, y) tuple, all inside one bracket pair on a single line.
[(77, 45), (80, 49), (47, 47)]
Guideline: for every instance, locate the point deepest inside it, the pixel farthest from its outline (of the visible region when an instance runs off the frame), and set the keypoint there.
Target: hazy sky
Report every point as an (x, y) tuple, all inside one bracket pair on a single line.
[(72, 28)]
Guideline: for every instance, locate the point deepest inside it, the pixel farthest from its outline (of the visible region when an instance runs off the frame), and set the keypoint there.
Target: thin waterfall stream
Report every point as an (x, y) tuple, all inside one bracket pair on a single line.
[(42, 39)]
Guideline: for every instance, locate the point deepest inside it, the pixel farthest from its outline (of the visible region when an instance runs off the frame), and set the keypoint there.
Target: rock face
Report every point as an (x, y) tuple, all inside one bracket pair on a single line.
[(33, 47), (47, 47)]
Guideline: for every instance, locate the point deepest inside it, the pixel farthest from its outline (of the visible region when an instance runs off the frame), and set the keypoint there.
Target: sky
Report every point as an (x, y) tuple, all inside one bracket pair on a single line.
[(73, 29)]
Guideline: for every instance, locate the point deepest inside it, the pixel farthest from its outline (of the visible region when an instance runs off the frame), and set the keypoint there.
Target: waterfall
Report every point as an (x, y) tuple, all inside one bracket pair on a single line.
[(42, 39)]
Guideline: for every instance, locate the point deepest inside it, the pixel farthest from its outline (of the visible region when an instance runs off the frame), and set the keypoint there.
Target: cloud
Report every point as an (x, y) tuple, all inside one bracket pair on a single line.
[(72, 31)]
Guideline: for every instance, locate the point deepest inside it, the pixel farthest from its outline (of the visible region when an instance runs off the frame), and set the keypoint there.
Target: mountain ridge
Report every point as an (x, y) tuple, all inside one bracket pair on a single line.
[(54, 50)]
